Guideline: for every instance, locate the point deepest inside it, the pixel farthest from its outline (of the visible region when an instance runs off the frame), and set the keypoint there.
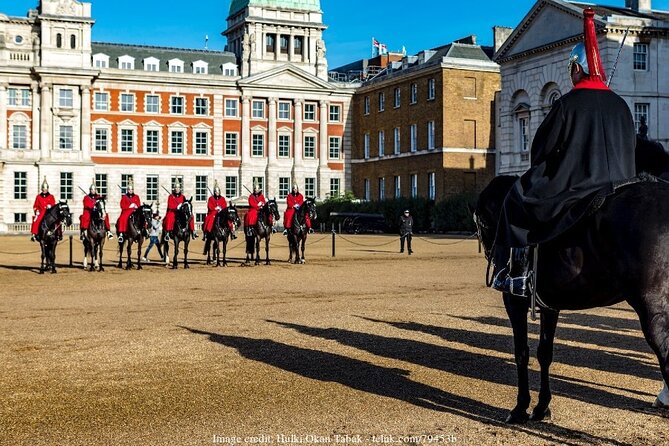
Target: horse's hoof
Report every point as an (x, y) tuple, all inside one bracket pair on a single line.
[(515, 418), (139, 267), (101, 269), (540, 415), (53, 271), (186, 266)]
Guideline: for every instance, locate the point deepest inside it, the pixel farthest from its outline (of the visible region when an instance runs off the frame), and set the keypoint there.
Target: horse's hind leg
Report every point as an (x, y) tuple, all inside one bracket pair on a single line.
[(267, 261), (128, 263), (186, 243), (516, 309), (120, 255), (654, 320), (101, 268), (549, 319), (139, 254)]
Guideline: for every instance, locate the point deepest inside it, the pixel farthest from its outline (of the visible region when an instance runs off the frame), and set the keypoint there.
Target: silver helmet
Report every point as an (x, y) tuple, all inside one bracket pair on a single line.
[(579, 56)]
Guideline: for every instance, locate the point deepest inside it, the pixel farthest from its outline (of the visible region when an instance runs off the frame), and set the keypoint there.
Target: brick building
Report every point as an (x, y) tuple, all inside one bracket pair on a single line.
[(424, 126), (73, 110)]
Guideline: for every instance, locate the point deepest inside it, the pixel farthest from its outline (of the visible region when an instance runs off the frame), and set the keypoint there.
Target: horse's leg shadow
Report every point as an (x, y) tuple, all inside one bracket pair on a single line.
[(549, 320)]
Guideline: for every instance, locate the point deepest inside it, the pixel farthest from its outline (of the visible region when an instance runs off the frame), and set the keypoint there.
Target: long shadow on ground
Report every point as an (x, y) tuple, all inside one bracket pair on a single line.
[(387, 382)]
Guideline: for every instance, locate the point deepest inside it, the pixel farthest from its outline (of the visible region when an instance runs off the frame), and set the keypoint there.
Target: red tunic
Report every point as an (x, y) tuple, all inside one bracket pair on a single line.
[(213, 205), (89, 204), (128, 205), (42, 203), (173, 201), (256, 202), (291, 201)]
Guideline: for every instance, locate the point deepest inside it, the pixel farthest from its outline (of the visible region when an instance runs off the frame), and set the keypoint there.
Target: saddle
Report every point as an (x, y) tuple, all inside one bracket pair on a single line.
[(600, 197)]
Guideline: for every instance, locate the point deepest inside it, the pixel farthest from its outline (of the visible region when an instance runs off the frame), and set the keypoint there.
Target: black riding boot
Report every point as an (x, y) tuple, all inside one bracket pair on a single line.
[(516, 277)]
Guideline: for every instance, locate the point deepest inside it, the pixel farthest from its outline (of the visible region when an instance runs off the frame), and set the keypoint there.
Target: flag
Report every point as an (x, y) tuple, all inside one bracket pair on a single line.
[(206, 41), (375, 43)]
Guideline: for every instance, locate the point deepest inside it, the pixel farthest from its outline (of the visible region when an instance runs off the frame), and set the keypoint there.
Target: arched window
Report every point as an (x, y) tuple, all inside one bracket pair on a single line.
[(73, 41), (59, 40)]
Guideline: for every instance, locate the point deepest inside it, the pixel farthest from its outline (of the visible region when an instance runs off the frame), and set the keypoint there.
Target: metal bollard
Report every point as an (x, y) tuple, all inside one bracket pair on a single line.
[(71, 250), (334, 234)]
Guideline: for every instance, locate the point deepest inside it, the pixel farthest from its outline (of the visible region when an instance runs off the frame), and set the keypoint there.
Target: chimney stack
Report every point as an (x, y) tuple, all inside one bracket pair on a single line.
[(638, 5), (500, 34)]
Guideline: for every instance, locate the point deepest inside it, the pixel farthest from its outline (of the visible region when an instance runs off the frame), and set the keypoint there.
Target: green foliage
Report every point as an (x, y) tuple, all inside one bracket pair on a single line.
[(451, 214)]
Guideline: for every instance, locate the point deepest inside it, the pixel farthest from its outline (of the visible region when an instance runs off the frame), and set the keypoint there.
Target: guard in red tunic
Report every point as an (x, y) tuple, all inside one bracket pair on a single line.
[(216, 204), (174, 202), (294, 201), (43, 202), (89, 204), (129, 202), (256, 202)]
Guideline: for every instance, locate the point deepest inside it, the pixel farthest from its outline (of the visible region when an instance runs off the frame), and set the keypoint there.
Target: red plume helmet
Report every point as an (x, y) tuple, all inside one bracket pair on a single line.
[(591, 47)]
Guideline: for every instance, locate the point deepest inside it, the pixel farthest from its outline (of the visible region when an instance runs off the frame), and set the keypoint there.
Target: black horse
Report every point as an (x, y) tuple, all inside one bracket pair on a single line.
[(618, 253), (262, 230), (95, 236), (48, 234), (138, 222), (220, 233), (180, 233), (650, 157), (298, 231)]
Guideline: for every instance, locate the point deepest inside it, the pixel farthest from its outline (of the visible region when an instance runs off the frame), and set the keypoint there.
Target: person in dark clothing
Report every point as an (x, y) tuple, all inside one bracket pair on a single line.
[(584, 145), (406, 230)]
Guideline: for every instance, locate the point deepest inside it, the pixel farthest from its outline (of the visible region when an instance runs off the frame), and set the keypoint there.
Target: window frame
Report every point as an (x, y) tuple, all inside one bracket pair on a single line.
[(65, 140), (257, 112), (123, 104), (149, 104), (172, 134), (228, 142), (309, 146), (175, 106), (200, 108), (101, 104), (229, 101), (282, 146), (20, 185), (334, 145), (63, 100)]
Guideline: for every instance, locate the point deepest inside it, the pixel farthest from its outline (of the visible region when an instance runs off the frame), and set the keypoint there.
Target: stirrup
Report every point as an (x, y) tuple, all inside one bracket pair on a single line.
[(167, 237), (311, 231), (285, 232), (110, 235), (32, 238), (194, 235), (233, 236), (120, 238)]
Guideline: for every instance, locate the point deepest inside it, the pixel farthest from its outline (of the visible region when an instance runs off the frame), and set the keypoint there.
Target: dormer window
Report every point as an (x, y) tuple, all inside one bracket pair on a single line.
[(229, 69), (151, 64), (126, 62), (200, 67), (100, 61), (175, 66)]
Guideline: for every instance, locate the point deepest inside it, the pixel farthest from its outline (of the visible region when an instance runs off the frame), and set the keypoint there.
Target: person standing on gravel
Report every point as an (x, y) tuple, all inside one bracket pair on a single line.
[(406, 230)]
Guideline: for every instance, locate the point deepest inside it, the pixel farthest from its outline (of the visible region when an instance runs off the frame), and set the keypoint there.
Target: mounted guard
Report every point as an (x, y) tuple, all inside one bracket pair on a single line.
[(129, 203), (294, 201), (43, 202), (216, 204), (583, 146), (174, 202), (90, 202), (256, 201)]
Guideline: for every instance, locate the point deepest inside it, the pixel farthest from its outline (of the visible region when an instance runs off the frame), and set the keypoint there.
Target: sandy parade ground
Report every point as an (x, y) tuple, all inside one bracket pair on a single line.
[(368, 347)]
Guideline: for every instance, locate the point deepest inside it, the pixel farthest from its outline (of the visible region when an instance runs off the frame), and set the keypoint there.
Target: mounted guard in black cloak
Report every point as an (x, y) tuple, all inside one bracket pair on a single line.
[(583, 147)]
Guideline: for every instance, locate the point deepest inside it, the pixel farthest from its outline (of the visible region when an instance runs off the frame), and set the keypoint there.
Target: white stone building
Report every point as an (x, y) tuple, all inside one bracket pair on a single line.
[(73, 110), (533, 62)]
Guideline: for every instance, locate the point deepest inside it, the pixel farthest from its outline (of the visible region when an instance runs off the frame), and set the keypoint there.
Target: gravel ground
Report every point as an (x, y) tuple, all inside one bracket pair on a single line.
[(369, 347)]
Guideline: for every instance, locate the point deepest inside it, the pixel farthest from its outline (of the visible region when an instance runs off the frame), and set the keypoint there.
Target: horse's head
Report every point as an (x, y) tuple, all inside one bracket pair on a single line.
[(310, 207), (273, 209), (63, 213), (489, 208), (187, 208), (100, 209), (147, 212), (233, 215)]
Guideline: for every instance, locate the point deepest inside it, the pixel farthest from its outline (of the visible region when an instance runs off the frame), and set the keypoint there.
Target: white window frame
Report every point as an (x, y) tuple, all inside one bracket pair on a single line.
[(198, 108), (66, 142), (20, 185), (227, 142), (524, 132), (281, 139), (126, 62), (640, 56), (158, 147), (101, 101), (397, 97), (413, 181), (200, 67), (146, 103), (430, 135), (173, 105), (334, 152), (284, 111), (310, 187), (413, 99), (231, 182), (413, 138), (367, 189), (431, 89), (367, 105), (254, 136), (310, 111), (397, 186), (366, 145), (382, 143), (100, 60), (133, 130), (201, 186), (197, 133), (175, 66), (431, 185), (66, 183), (382, 101), (641, 109), (382, 188), (335, 113), (19, 140), (229, 69), (257, 109), (65, 98), (171, 134), (123, 104), (397, 141), (311, 145), (335, 185), (229, 108), (151, 64), (284, 187), (107, 139), (152, 187)]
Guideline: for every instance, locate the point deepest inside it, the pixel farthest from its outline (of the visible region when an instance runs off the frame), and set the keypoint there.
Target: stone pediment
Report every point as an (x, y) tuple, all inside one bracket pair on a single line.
[(286, 77), (549, 22)]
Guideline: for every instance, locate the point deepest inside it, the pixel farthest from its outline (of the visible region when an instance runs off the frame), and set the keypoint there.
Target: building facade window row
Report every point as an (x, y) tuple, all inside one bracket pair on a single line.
[(413, 192), (431, 94), (152, 103), (412, 144)]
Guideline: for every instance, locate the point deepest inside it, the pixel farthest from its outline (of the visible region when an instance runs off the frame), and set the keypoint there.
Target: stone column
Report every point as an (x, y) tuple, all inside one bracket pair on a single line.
[(323, 149), (3, 117), (245, 137), (299, 140), (85, 131), (45, 121), (35, 123), (277, 44), (271, 136)]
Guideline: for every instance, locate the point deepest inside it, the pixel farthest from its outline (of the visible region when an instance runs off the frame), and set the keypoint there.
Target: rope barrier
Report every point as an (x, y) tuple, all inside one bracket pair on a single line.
[(469, 237), (368, 246)]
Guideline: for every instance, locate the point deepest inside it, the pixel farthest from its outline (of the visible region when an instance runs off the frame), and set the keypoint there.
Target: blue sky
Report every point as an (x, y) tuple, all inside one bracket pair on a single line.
[(415, 24)]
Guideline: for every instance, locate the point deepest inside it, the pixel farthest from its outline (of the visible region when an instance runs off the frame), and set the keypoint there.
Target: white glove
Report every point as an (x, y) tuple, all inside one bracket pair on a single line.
[(36, 213), (133, 206), (261, 204), (218, 208), (179, 206), (48, 206), (296, 206)]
